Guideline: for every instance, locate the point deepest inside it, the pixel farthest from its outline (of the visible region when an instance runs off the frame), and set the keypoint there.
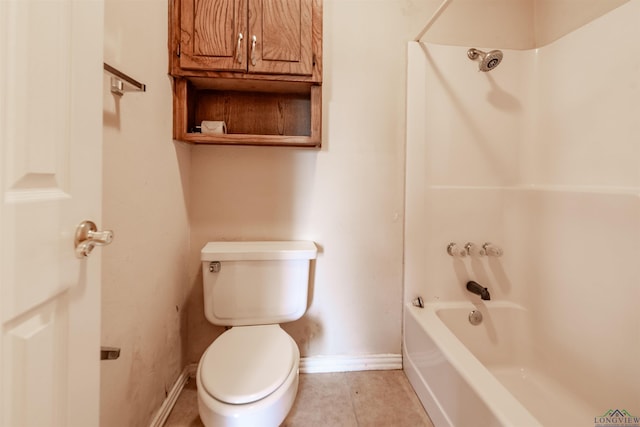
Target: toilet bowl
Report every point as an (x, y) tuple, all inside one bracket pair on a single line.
[(248, 376)]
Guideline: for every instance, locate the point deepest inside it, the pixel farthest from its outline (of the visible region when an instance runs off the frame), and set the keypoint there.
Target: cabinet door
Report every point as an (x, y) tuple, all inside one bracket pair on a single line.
[(283, 37), (213, 35)]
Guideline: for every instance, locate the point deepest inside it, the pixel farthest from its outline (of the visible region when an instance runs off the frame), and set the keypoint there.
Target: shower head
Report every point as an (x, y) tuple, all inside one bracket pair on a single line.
[(488, 60)]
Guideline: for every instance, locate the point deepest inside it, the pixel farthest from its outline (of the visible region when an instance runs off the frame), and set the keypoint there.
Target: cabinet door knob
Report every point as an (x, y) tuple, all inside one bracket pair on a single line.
[(254, 39), (239, 49)]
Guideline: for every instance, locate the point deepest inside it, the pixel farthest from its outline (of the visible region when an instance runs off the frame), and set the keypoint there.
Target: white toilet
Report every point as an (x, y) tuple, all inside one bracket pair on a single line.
[(249, 375)]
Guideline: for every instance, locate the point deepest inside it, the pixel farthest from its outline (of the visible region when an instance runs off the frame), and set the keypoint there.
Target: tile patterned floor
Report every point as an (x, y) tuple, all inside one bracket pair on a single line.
[(349, 399)]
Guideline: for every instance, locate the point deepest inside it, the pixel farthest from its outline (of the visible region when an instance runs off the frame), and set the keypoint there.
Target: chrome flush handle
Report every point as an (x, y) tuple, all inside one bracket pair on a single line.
[(88, 237)]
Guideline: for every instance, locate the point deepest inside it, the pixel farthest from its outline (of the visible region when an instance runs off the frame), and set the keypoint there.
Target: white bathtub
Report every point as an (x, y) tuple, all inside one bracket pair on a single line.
[(483, 375)]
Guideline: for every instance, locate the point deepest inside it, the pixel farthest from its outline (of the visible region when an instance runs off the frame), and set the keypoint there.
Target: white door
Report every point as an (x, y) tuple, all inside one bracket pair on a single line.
[(50, 180)]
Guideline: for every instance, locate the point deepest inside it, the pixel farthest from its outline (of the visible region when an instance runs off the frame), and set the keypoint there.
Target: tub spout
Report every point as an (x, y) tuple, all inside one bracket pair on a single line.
[(478, 289)]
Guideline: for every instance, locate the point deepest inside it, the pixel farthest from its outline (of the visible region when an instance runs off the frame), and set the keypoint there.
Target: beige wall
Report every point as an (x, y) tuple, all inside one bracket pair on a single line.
[(503, 24), (556, 18), (507, 24), (347, 197), (144, 269)]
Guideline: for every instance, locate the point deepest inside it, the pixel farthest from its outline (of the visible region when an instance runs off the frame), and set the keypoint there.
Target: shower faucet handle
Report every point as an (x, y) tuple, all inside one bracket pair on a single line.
[(474, 250), (455, 251), (492, 250)]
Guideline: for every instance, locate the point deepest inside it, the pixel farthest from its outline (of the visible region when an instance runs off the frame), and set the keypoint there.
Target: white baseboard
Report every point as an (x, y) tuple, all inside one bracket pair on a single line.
[(163, 413), (370, 362), (308, 365)]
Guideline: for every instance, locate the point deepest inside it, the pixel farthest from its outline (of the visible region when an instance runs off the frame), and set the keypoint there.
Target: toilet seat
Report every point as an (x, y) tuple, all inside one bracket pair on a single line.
[(247, 363)]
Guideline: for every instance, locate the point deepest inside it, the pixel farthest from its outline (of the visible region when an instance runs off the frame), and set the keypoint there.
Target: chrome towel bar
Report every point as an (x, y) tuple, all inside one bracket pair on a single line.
[(120, 82)]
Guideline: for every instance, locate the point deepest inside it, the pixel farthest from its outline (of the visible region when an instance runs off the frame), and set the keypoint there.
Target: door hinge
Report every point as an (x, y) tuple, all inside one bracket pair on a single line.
[(178, 51)]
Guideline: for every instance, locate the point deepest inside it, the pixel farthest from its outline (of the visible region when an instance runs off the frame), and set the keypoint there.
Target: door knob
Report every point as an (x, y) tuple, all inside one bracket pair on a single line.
[(88, 237)]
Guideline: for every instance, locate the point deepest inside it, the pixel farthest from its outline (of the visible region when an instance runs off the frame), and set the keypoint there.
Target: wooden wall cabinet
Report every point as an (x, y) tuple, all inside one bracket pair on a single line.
[(256, 64)]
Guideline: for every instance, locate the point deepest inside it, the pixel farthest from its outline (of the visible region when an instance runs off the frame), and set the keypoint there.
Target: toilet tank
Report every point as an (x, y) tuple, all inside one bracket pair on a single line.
[(256, 283)]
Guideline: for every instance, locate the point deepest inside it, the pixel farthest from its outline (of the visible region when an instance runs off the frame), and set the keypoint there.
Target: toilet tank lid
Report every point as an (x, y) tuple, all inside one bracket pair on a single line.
[(258, 251)]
